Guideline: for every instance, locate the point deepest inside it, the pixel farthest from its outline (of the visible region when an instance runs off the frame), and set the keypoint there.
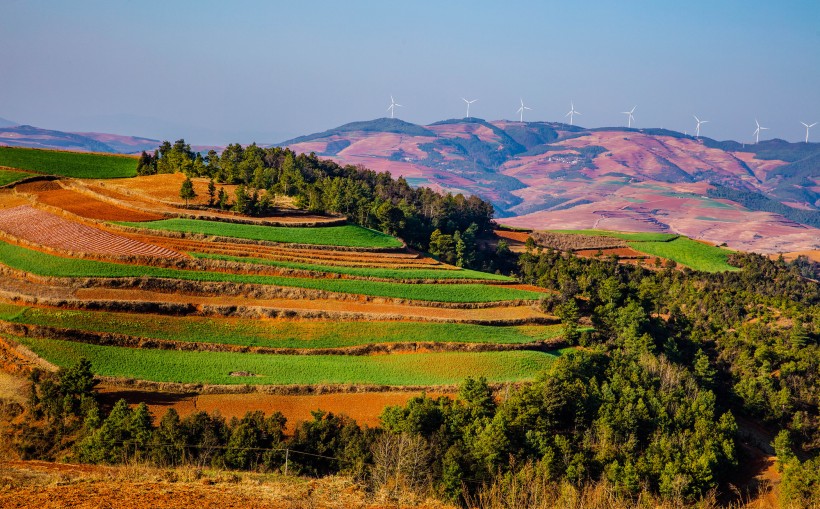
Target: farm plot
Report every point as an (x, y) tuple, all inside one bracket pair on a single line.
[(691, 253), (33, 225), (628, 236), (8, 176), (48, 265), (69, 164), (430, 369), (348, 235), (83, 205), (328, 308), (320, 255), (367, 272), (274, 333)]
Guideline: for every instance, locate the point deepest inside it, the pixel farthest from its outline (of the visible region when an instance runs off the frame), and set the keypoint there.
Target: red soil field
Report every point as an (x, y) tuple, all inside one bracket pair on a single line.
[(623, 252), (33, 225), (85, 206)]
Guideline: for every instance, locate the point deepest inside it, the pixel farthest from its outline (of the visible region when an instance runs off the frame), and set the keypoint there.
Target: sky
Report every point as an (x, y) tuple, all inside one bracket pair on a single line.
[(218, 72)]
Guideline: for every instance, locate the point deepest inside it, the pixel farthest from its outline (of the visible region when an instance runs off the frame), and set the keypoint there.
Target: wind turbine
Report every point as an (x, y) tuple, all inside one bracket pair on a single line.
[(521, 110), (697, 129), (572, 112), (807, 129), (393, 105), (629, 116), (756, 134), (468, 105)]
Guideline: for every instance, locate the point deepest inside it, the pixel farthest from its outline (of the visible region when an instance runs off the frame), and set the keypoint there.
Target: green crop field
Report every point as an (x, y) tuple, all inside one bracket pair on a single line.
[(693, 254), (365, 271), (68, 164), (347, 235), (49, 265), (274, 333), (9, 176), (215, 367), (633, 237)]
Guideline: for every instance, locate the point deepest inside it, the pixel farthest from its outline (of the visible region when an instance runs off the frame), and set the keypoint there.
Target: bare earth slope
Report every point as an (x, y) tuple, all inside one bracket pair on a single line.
[(554, 176)]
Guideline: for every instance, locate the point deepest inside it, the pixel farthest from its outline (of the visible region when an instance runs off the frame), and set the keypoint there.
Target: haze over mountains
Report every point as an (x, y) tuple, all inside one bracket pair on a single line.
[(543, 175)]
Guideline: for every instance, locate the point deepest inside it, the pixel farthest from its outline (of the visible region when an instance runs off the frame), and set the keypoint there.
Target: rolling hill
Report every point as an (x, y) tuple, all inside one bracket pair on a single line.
[(14, 135), (542, 175)]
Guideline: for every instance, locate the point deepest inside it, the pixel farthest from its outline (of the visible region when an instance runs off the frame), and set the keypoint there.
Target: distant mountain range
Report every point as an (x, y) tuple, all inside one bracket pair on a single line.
[(763, 197)]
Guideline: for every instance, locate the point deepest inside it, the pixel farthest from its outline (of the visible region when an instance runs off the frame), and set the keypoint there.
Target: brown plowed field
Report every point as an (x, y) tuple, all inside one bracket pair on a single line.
[(376, 309), (33, 225), (83, 205), (622, 252)]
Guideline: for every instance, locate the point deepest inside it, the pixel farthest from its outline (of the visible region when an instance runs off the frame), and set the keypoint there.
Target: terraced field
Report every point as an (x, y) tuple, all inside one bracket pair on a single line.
[(347, 236), (68, 164), (683, 250), (34, 225), (10, 176), (117, 271), (430, 369)]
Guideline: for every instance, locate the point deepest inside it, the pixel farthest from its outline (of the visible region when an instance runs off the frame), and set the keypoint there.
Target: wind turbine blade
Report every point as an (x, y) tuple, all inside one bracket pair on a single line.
[(696, 119), (577, 112), (814, 124), (568, 114), (704, 121), (527, 108), (389, 108)]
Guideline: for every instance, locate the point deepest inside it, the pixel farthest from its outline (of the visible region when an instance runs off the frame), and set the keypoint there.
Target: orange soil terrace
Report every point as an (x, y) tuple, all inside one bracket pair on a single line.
[(53, 194), (377, 308), (622, 252), (129, 193), (33, 225)]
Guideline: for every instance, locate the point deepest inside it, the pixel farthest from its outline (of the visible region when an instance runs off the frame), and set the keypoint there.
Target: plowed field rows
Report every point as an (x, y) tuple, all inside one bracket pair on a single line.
[(83, 205), (27, 223), (323, 256)]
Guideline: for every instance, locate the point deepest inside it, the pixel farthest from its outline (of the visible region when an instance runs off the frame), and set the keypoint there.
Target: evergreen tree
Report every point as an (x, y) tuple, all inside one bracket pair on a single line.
[(186, 191)]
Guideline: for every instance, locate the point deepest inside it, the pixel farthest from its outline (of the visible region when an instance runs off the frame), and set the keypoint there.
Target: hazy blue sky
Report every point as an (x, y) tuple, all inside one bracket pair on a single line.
[(214, 72)]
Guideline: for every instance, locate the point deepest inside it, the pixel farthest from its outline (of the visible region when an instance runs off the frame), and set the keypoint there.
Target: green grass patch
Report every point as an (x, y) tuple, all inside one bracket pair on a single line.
[(9, 176), (49, 265), (215, 367), (68, 164), (693, 254), (633, 237), (365, 271), (274, 333), (347, 235)]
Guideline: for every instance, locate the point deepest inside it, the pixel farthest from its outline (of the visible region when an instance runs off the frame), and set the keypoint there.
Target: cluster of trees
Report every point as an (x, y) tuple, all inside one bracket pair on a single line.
[(751, 336), (370, 199)]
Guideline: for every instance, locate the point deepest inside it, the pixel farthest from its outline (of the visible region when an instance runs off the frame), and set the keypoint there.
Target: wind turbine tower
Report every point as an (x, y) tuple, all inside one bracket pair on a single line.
[(521, 110), (468, 105), (757, 131), (393, 106), (808, 126), (572, 112), (629, 116), (697, 129)]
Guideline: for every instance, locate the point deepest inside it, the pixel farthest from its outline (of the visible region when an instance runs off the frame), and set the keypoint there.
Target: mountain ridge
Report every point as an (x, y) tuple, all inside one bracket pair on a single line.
[(552, 175)]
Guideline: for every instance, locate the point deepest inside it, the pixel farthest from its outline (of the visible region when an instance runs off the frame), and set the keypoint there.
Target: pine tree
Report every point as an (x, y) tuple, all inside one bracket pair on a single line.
[(186, 191)]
